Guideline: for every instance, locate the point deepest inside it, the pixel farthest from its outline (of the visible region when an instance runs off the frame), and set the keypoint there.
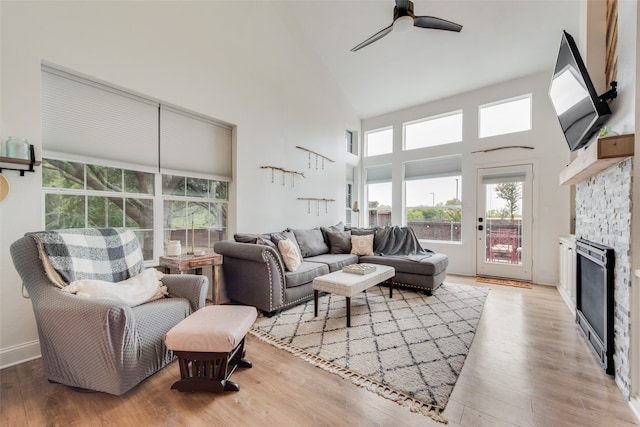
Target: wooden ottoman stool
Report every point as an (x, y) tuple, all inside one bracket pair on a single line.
[(210, 346)]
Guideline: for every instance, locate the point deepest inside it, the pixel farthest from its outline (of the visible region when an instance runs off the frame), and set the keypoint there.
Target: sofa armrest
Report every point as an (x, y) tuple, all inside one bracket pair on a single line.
[(190, 286), (253, 274), (247, 251)]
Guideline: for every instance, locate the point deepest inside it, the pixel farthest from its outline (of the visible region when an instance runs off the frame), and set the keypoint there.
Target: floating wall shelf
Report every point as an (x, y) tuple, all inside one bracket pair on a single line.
[(597, 157), (24, 162)]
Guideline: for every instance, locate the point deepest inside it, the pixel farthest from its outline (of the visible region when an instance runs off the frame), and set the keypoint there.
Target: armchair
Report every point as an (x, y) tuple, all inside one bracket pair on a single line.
[(102, 344)]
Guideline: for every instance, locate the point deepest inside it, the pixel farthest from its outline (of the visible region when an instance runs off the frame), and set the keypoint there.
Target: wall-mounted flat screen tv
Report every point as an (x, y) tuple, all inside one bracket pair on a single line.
[(579, 109)]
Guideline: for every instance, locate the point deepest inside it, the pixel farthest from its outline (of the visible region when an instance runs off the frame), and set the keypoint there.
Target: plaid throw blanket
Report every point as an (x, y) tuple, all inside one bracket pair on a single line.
[(108, 254)]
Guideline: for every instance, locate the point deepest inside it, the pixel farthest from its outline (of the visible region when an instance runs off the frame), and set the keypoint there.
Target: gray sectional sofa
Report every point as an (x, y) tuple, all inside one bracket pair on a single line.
[(255, 274)]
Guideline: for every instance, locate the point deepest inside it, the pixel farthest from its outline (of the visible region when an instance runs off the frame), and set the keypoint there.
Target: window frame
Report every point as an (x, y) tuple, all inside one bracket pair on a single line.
[(528, 96), (372, 131), (458, 112)]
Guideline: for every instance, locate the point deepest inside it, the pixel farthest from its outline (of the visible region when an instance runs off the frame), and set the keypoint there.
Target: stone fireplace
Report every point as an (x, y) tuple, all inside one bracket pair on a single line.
[(603, 215)]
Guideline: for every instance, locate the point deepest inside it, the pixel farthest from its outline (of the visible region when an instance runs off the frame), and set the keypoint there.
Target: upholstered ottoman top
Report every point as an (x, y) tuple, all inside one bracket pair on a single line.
[(214, 328)]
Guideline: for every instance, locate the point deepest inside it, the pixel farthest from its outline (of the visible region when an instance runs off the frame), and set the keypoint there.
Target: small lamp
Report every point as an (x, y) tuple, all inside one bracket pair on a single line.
[(356, 209)]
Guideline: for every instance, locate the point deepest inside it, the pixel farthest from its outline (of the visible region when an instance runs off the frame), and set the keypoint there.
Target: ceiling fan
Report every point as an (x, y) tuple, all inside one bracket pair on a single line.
[(403, 19)]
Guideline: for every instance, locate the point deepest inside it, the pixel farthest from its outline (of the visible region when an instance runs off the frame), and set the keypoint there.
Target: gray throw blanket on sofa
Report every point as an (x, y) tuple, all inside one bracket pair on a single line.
[(401, 242)]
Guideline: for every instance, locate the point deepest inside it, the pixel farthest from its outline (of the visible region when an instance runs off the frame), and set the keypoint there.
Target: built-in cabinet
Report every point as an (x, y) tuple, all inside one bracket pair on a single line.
[(567, 284)]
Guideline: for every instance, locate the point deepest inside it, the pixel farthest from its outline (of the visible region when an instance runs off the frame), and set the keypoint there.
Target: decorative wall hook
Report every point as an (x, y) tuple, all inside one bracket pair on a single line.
[(318, 155), (284, 173), (318, 200)]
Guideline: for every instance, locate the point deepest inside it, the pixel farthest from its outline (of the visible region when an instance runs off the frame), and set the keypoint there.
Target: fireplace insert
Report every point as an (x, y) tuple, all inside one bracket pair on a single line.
[(594, 303)]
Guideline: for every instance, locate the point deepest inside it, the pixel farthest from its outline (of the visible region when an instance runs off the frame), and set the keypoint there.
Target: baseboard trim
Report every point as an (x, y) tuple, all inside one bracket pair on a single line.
[(20, 353), (634, 403), (567, 299)]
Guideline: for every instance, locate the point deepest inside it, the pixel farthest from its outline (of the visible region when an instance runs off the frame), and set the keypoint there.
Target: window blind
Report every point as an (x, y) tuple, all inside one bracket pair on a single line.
[(189, 142), (378, 173), (433, 168), (500, 178), (85, 118)]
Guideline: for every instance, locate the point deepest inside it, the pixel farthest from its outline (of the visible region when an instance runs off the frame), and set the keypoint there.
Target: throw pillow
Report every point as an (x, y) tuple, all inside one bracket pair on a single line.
[(289, 254), (286, 234), (338, 227), (340, 241), (362, 245), (311, 242)]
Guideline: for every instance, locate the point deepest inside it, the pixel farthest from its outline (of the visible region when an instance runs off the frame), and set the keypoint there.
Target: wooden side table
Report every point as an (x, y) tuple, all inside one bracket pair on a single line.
[(186, 263)]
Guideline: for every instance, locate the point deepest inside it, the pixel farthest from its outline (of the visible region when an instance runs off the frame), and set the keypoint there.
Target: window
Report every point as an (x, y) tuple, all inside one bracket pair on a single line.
[(432, 131), (351, 171), (81, 195), (78, 195), (379, 195), (349, 141), (194, 210), (91, 131), (433, 205), (379, 142), (506, 116)]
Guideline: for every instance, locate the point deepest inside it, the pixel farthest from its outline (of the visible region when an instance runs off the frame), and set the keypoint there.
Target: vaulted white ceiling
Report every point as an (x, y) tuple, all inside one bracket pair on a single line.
[(500, 40)]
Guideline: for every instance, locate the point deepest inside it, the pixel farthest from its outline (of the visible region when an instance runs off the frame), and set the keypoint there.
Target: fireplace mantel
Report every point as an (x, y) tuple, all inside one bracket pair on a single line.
[(597, 157)]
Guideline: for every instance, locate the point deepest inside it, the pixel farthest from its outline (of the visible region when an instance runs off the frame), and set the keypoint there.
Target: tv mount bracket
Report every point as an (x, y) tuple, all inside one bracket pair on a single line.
[(611, 93)]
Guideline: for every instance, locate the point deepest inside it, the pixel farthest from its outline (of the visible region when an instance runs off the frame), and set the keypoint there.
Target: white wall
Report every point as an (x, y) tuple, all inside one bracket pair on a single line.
[(549, 156), (234, 61)]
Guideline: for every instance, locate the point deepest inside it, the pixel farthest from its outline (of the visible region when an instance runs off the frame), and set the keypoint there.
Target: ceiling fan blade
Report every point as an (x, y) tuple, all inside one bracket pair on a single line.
[(435, 23), (377, 36)]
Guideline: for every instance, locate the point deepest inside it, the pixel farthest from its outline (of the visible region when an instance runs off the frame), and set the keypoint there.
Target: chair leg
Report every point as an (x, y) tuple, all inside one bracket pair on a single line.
[(209, 371)]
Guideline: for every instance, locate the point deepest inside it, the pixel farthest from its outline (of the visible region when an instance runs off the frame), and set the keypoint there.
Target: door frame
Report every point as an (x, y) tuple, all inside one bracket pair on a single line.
[(523, 271)]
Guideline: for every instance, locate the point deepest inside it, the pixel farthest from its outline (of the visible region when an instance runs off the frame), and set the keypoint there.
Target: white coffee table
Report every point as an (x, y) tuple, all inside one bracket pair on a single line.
[(349, 284)]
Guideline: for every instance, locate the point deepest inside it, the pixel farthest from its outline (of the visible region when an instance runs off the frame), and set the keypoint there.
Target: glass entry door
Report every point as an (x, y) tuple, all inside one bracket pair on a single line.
[(503, 226)]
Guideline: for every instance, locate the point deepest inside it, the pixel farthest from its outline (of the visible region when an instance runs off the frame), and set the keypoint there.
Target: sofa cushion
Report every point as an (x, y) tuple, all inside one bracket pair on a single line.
[(305, 273), (334, 261), (362, 231), (245, 237), (429, 266), (290, 255), (339, 242), (250, 237), (338, 227), (362, 245), (311, 242)]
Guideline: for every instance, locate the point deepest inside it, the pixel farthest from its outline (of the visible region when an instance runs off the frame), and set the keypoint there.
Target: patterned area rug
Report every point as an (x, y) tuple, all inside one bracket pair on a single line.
[(409, 349), (504, 282)]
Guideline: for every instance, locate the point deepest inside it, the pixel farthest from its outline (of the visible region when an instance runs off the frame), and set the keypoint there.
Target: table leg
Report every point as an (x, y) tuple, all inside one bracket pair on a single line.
[(348, 312), (315, 302), (391, 288)]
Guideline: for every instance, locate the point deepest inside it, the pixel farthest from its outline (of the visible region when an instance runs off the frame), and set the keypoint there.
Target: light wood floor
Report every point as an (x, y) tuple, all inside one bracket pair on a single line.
[(528, 366)]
